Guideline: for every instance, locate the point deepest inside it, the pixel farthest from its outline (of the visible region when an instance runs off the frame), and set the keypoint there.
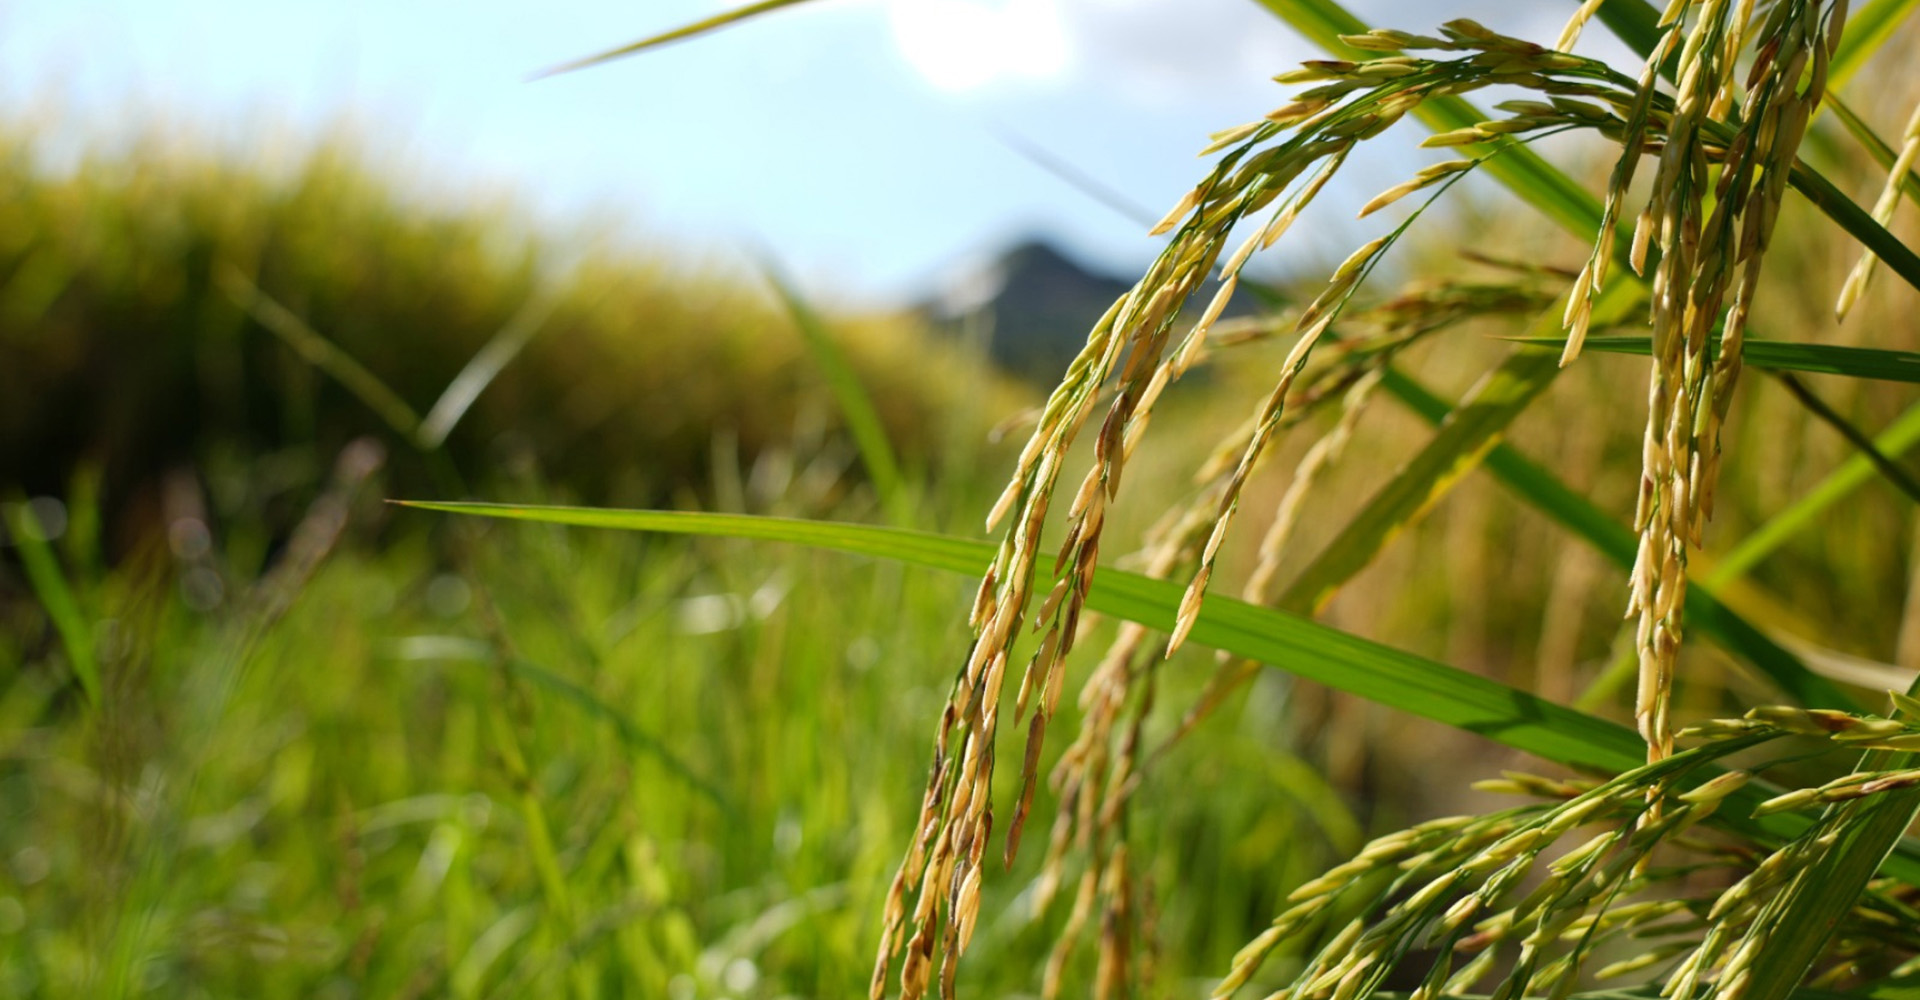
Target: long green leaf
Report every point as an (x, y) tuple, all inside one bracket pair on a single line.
[(49, 584), (699, 27), (1899, 437), (856, 405), (1781, 355), (1465, 437), (481, 369), (1381, 674), (321, 353), (1318, 652), (1615, 541)]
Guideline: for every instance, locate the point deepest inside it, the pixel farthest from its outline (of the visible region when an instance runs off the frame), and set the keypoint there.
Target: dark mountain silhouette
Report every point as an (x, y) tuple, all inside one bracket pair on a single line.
[(1033, 304)]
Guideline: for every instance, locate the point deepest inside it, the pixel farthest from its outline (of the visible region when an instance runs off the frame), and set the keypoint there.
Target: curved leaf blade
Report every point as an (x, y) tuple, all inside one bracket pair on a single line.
[(1466, 435), (700, 27), (1782, 355), (1379, 673)]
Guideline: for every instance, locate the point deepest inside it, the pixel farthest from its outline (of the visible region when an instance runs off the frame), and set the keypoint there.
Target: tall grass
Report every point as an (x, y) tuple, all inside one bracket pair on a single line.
[(162, 306)]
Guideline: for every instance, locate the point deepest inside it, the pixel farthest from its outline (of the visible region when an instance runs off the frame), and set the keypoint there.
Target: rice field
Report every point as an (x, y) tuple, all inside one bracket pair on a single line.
[(1322, 688)]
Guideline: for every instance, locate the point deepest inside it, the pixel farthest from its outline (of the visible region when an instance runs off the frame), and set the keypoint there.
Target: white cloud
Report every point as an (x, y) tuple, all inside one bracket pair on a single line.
[(1156, 50), (961, 45)]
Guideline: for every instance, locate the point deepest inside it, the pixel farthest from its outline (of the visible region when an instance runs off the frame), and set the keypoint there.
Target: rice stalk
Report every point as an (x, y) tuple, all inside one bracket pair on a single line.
[(1709, 236), (1443, 899)]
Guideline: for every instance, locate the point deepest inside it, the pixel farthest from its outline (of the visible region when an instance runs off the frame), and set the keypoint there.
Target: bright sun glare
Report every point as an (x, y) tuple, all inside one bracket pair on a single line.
[(961, 45)]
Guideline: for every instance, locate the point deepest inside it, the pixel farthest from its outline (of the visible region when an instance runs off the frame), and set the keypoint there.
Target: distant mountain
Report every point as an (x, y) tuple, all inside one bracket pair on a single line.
[(1032, 303)]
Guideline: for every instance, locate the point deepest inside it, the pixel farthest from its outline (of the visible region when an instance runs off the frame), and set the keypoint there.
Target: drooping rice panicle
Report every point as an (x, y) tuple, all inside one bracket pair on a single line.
[(1883, 209), (1716, 192)]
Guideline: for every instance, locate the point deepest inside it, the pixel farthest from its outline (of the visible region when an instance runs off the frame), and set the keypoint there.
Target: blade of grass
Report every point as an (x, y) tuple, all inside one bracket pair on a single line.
[(700, 27), (1386, 676), (1899, 437), (1467, 433), (1614, 540), (1781, 355), (1818, 407), (480, 371), (637, 739), (49, 584), (1312, 650), (320, 352), (856, 405)]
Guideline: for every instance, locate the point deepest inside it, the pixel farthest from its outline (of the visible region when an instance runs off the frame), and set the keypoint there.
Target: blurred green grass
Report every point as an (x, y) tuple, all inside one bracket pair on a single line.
[(124, 344), (522, 762)]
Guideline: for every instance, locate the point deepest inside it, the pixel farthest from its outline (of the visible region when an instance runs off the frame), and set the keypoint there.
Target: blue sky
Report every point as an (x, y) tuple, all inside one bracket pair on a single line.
[(858, 141)]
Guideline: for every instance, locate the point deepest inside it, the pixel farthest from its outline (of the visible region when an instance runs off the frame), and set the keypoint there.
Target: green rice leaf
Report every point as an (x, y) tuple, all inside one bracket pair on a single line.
[(1466, 435), (1381, 674), (700, 27), (50, 585), (1614, 540), (1782, 355), (856, 405)]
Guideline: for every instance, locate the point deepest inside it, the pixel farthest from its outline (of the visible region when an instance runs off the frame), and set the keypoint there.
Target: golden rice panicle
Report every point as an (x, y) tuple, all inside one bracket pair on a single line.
[(956, 819), (1711, 240), (1571, 33), (1856, 283), (1471, 896)]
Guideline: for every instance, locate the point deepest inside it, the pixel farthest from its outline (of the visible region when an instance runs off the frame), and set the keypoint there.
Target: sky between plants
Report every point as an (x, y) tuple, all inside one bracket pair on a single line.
[(869, 145)]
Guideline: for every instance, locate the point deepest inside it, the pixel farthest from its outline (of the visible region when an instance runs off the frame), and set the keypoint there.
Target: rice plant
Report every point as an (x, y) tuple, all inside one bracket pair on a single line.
[(1699, 859)]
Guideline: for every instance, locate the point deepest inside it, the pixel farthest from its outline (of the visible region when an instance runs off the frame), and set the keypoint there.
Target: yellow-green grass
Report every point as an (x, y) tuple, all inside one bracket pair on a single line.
[(523, 761), (163, 306)]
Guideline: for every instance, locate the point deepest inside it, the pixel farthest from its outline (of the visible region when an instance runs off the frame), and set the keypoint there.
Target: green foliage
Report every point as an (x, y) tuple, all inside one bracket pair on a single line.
[(161, 308), (523, 762)]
